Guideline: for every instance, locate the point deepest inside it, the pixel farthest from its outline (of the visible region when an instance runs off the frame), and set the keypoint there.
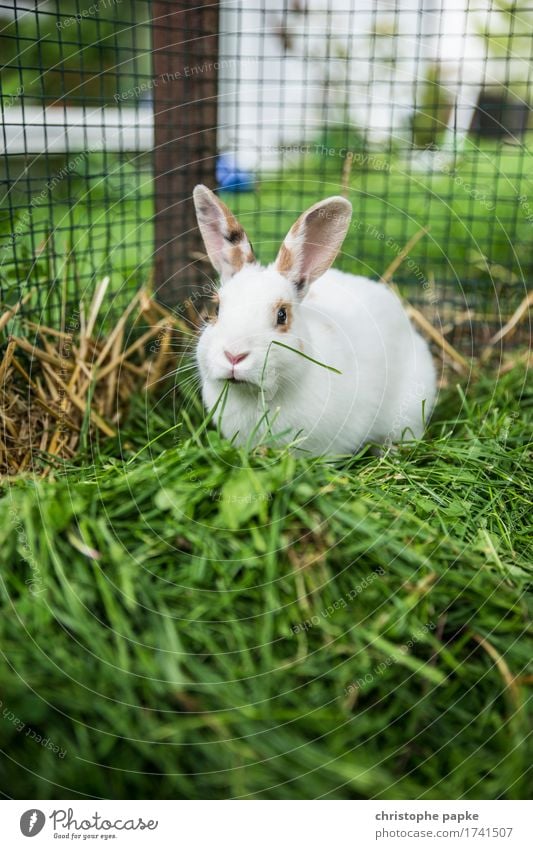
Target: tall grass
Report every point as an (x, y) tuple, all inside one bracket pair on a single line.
[(194, 621)]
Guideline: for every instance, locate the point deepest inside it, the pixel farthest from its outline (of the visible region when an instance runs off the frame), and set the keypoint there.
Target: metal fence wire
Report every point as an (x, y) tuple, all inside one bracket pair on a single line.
[(417, 110)]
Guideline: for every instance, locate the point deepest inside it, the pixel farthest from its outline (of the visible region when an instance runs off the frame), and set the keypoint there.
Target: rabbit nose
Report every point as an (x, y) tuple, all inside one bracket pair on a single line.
[(235, 358)]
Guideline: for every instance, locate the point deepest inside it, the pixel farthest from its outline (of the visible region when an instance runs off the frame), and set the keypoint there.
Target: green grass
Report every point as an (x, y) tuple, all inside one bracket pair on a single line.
[(479, 213), (97, 220), (189, 621)]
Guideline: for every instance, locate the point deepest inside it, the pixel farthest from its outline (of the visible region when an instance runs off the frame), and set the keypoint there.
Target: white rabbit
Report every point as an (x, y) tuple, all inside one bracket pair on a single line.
[(386, 386)]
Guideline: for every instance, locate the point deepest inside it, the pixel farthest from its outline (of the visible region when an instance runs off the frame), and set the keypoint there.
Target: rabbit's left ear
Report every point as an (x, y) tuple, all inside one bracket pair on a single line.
[(313, 242), (226, 243)]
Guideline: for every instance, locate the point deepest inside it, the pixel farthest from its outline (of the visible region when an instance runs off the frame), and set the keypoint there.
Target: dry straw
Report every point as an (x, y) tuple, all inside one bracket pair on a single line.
[(58, 388)]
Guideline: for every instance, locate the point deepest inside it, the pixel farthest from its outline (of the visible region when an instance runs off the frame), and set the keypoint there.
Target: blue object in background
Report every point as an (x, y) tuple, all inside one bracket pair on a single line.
[(232, 178)]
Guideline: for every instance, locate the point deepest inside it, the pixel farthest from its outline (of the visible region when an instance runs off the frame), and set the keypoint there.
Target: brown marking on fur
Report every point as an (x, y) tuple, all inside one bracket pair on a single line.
[(241, 252), (285, 260), (283, 328), (236, 258), (234, 231), (238, 250), (235, 236), (285, 257)]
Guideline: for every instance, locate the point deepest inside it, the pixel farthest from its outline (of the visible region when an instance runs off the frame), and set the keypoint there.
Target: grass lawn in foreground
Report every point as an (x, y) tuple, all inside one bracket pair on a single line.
[(191, 621)]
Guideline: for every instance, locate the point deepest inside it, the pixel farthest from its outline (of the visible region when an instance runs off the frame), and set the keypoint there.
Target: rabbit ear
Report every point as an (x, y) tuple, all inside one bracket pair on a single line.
[(225, 241), (313, 242)]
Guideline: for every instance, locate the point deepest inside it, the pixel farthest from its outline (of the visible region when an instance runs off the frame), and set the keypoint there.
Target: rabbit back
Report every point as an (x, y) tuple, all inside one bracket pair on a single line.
[(387, 386)]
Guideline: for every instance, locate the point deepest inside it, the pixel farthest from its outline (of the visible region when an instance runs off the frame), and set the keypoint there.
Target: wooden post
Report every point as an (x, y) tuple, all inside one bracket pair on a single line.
[(185, 56)]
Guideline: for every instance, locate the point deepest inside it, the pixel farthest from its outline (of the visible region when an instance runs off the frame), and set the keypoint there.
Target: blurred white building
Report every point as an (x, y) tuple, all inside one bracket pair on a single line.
[(358, 62), (288, 68)]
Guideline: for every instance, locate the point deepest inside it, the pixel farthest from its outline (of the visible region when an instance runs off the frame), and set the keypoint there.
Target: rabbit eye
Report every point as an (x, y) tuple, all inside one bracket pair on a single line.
[(281, 316)]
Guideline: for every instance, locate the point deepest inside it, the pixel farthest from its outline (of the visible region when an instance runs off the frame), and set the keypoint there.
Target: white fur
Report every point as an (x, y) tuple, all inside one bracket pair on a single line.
[(353, 324)]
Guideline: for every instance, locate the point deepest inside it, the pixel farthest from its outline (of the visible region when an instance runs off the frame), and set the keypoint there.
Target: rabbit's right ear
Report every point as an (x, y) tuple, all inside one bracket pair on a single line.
[(225, 241)]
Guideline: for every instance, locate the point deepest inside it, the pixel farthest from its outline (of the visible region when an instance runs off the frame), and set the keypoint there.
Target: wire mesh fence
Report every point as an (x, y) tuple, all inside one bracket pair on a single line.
[(75, 148), (417, 110)]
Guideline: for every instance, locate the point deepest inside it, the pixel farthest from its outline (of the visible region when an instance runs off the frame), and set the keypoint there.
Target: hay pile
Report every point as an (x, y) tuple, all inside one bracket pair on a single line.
[(60, 388)]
